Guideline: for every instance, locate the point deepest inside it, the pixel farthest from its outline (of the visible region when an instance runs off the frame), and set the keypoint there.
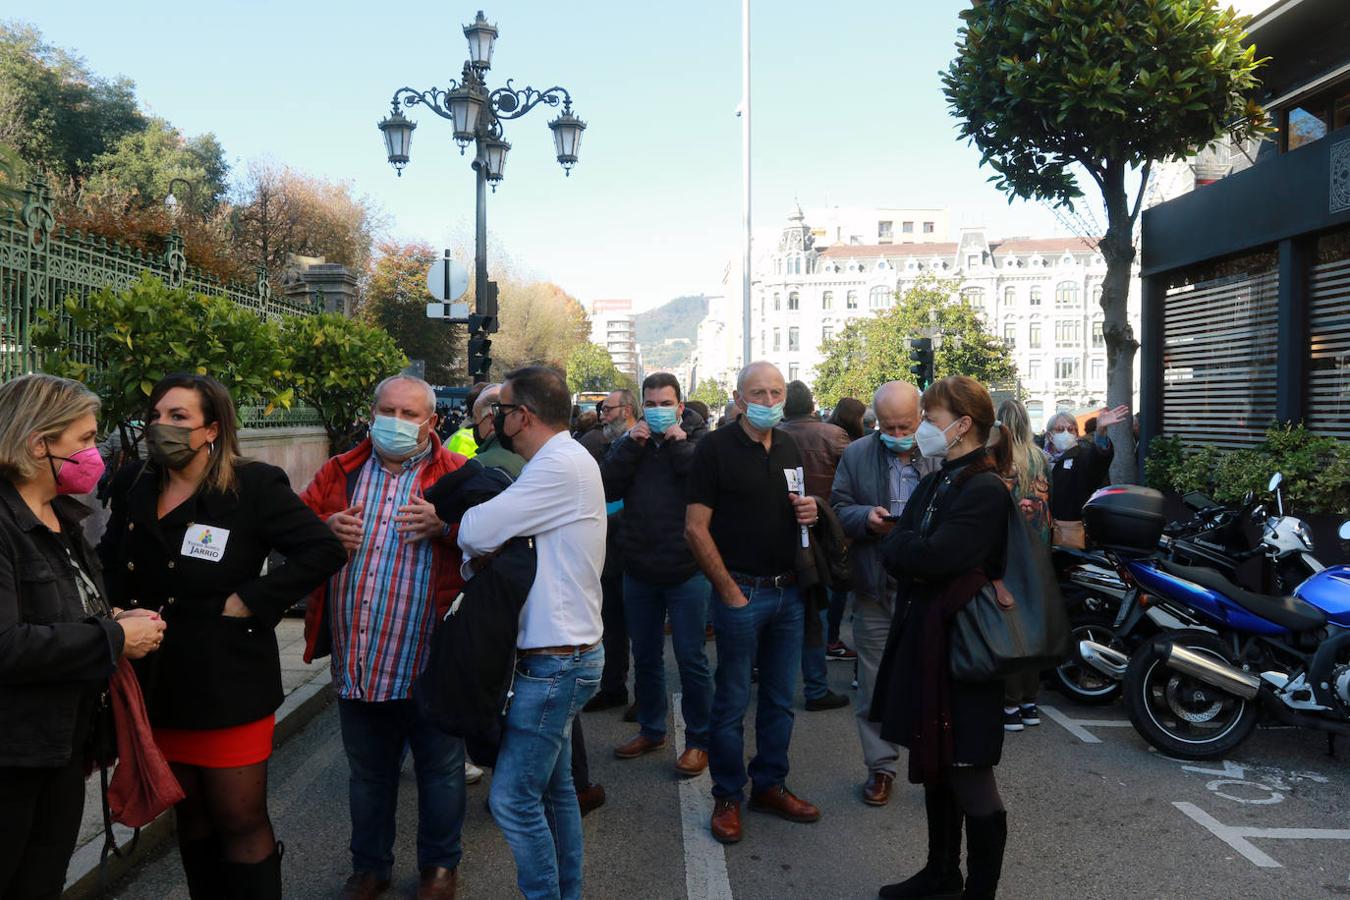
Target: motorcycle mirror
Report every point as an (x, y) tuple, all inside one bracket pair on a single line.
[(1344, 531), (1275, 481)]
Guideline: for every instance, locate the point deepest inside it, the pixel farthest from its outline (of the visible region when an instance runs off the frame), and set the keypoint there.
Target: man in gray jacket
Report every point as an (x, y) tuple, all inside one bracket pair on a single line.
[(876, 477)]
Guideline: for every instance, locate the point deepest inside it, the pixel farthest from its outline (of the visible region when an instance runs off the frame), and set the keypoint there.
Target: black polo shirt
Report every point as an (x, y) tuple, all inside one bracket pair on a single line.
[(753, 522)]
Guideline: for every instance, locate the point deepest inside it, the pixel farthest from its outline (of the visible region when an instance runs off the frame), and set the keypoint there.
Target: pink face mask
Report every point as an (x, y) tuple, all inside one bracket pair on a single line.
[(80, 473)]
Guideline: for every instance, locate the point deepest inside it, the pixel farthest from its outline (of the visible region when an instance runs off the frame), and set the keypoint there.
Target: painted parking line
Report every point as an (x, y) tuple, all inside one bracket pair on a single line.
[(705, 860), (1239, 837), (1079, 727)]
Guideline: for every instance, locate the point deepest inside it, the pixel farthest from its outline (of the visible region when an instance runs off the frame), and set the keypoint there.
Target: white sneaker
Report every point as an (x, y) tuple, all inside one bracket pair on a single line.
[(472, 774)]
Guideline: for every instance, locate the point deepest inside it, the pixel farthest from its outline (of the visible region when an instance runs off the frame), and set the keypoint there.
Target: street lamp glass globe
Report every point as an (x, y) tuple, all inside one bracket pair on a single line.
[(494, 154), (482, 38), (567, 130), (171, 202), (397, 139), (465, 105)]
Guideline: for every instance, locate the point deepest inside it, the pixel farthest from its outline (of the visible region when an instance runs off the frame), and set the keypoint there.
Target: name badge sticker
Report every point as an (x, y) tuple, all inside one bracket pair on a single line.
[(794, 484), (205, 542), (1068, 464)]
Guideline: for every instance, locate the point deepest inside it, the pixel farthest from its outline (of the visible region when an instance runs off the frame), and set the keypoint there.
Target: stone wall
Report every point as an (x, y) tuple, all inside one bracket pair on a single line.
[(300, 451)]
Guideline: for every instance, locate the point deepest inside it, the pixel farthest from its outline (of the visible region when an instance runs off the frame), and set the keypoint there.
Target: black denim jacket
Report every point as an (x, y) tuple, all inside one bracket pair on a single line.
[(55, 655)]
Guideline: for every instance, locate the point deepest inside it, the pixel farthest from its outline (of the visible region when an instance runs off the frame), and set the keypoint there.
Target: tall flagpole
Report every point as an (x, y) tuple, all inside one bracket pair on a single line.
[(745, 182)]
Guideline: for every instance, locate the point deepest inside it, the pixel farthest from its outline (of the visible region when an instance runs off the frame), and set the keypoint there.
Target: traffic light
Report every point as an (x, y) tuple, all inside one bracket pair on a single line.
[(480, 363), (921, 359), (482, 323), (486, 308)]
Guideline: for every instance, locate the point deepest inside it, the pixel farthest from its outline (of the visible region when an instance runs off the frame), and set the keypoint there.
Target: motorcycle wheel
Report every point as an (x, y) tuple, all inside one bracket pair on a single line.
[(1180, 715), (1077, 680)]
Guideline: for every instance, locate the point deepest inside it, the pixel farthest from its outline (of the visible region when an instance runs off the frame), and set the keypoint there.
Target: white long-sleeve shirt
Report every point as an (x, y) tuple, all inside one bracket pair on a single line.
[(559, 499)]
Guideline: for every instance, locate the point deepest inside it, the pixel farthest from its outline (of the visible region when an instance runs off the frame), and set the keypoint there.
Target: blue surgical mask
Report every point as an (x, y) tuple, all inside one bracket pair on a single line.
[(395, 437), (897, 444), (764, 417), (659, 418)]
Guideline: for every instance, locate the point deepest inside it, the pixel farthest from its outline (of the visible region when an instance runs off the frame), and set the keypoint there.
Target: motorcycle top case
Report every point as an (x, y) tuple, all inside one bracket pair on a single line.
[(1329, 591), (1125, 517)]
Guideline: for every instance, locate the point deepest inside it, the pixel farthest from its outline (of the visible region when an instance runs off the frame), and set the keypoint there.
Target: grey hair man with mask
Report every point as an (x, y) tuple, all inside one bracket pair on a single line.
[(876, 476)]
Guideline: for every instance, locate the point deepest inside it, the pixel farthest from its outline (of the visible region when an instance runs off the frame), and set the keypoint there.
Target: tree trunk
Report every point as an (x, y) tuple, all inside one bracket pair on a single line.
[(1117, 248)]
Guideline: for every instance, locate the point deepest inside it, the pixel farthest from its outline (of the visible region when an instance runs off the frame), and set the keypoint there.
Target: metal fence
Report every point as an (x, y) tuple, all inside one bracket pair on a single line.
[(42, 264)]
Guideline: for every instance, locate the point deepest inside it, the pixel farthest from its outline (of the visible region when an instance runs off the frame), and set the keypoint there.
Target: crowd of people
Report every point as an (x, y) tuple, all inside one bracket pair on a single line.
[(763, 534)]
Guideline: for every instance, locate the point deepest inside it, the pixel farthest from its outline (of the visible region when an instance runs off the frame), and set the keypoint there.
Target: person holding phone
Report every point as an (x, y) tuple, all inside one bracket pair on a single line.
[(874, 481), (189, 533)]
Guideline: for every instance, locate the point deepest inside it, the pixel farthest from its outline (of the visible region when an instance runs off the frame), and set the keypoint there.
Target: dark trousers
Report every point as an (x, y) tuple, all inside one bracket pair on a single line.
[(614, 679), (581, 767), (40, 812), (838, 604)]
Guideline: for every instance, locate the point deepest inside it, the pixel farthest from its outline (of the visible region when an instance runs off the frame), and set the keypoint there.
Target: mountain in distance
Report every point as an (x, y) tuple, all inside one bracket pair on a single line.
[(675, 321)]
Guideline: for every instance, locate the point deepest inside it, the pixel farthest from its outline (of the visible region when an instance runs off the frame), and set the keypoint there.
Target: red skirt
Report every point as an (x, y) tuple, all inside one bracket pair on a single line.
[(218, 748)]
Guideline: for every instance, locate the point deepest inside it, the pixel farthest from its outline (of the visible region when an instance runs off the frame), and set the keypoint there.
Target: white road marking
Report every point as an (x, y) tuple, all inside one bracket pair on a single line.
[(1237, 836), (705, 860), (1078, 727)]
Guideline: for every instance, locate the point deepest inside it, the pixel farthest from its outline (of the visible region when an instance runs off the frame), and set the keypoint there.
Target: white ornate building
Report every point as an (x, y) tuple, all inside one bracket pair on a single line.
[(1041, 295)]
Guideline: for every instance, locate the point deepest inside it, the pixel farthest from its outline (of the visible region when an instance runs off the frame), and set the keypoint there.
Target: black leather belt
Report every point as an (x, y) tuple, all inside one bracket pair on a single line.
[(787, 579)]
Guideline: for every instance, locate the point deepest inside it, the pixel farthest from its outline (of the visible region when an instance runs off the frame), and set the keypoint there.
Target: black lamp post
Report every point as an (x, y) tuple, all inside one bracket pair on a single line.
[(476, 115)]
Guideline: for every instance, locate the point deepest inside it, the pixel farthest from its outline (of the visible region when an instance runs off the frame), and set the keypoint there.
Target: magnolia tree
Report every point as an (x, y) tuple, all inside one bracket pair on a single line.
[(1050, 89)]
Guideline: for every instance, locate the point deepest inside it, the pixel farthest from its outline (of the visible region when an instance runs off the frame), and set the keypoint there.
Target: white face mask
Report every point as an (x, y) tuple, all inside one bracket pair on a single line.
[(932, 440), (1063, 440)]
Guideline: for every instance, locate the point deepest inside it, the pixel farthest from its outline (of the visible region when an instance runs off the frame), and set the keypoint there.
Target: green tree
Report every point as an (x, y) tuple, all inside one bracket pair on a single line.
[(541, 324), (712, 392), (1048, 88), (145, 162), (334, 364), (873, 350), (396, 298), (590, 368), (149, 330)]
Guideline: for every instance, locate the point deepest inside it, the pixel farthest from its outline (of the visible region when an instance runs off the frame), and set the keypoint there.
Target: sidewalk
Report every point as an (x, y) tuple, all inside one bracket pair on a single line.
[(307, 693)]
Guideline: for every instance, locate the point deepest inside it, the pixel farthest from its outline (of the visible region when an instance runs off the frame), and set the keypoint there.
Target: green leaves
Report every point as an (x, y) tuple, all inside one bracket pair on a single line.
[(590, 368)]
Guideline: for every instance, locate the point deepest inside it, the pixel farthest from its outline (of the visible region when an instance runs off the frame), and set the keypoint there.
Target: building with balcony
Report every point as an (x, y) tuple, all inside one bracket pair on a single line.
[(614, 328)]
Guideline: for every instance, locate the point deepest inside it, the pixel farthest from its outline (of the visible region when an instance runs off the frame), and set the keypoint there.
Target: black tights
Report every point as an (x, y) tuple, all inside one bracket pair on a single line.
[(228, 806), (974, 789)]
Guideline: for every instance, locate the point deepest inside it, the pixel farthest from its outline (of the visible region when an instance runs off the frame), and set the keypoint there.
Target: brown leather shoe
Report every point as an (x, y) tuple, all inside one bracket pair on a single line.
[(782, 803), (726, 821), (363, 886), (638, 746), (437, 883), (877, 790), (692, 761), (590, 798)]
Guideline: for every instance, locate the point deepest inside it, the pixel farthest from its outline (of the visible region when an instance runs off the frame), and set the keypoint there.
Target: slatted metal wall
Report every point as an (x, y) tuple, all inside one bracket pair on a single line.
[(1219, 353), (1329, 362)]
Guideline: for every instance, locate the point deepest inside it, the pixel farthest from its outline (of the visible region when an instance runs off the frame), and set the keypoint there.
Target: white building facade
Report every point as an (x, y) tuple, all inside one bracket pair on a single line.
[(613, 327), (1040, 295)]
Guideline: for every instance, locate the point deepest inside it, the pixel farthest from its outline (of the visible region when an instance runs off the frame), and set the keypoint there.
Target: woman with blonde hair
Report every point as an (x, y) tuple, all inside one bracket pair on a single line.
[(1028, 478), (189, 533), (59, 640)]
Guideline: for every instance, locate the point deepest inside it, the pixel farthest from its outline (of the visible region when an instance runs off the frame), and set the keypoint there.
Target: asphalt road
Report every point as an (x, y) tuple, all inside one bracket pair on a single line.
[(1094, 813)]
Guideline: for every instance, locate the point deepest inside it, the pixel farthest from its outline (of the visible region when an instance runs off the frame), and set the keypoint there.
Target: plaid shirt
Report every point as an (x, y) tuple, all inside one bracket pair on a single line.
[(381, 605)]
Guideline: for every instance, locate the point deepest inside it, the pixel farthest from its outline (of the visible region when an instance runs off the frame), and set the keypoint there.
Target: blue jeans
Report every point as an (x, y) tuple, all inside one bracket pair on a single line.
[(374, 735), (772, 623), (815, 682), (533, 798), (645, 607)]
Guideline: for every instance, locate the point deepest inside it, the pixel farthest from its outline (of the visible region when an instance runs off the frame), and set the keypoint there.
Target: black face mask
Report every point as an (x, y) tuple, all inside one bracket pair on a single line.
[(478, 439), (499, 423)]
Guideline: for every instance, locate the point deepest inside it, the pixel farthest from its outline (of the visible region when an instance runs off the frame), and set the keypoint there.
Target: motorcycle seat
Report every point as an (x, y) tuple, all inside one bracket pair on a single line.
[(1096, 557), (1287, 612)]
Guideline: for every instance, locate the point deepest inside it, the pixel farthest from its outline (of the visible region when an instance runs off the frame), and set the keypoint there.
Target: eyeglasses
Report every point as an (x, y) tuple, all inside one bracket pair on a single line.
[(497, 408), (607, 407)]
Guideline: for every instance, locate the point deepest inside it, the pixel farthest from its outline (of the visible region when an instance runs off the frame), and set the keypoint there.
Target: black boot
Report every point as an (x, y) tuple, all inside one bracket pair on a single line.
[(941, 877), (202, 866), (986, 836), (255, 881)]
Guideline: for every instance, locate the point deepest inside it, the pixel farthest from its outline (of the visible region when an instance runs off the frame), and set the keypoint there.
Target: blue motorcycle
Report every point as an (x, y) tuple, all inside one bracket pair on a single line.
[(1196, 691)]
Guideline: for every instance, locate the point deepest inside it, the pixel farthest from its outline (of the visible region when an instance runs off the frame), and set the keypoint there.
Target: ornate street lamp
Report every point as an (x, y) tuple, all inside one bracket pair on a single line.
[(567, 130), (465, 104), (482, 37), (494, 156), (397, 138)]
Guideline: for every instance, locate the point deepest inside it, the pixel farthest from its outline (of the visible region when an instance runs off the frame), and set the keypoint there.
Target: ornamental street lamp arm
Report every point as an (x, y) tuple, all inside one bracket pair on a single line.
[(509, 103), (432, 98)]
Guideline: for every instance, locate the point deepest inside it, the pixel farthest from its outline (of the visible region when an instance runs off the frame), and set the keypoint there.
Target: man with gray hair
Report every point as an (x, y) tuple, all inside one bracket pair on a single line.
[(375, 617), (491, 453), (876, 477)]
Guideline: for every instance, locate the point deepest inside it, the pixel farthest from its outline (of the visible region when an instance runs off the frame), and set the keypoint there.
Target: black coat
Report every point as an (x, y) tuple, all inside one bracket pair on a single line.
[(55, 655), (1076, 475), (968, 531), (650, 480), (214, 671)]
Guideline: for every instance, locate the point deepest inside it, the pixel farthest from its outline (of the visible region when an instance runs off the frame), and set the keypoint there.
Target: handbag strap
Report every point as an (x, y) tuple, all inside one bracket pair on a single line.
[(110, 847), (943, 486)]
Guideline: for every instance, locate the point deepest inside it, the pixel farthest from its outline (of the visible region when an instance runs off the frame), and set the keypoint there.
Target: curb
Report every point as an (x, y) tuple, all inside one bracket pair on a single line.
[(82, 876)]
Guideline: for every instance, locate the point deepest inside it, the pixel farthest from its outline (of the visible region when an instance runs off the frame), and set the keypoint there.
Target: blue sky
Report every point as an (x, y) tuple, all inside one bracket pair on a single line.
[(848, 110)]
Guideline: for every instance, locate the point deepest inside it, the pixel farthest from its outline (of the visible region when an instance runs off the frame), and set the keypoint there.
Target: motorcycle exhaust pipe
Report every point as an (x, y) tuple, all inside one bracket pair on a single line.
[(1213, 672), (1109, 662)]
